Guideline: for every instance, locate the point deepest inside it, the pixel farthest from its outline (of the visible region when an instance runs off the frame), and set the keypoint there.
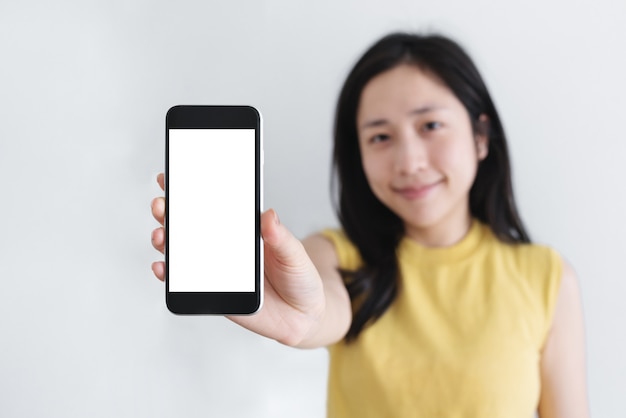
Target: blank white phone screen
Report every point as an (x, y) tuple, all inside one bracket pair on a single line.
[(211, 192)]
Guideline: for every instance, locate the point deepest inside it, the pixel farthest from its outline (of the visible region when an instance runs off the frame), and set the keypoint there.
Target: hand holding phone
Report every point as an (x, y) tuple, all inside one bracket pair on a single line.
[(294, 295)]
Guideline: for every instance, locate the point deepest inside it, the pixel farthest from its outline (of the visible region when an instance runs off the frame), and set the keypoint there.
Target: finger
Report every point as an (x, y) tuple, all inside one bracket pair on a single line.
[(158, 209), (158, 268), (158, 239), (161, 180)]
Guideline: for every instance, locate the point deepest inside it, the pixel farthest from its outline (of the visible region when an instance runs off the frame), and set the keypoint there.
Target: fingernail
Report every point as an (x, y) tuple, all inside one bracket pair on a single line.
[(276, 218)]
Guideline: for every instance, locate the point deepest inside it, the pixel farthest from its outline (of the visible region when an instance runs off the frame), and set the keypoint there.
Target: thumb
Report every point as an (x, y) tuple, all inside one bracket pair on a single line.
[(286, 248)]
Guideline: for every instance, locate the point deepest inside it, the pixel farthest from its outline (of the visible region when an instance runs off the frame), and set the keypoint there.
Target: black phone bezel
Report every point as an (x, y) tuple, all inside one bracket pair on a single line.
[(216, 117)]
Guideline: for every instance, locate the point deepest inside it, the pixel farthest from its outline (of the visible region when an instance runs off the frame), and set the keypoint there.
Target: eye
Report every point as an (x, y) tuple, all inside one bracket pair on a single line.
[(431, 126), (379, 138)]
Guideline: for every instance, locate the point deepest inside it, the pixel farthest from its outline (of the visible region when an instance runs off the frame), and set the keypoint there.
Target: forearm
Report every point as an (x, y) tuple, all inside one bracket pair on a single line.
[(335, 317), (332, 325)]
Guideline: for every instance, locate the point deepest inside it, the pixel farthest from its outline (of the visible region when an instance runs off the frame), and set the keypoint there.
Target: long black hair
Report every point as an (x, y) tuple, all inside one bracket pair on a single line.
[(372, 227)]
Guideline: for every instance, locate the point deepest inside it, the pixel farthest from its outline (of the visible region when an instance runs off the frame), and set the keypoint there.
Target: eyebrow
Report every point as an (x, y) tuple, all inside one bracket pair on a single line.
[(419, 111)]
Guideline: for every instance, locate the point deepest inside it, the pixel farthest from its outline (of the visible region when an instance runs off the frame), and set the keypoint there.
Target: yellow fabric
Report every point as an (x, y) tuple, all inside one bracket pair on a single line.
[(463, 338)]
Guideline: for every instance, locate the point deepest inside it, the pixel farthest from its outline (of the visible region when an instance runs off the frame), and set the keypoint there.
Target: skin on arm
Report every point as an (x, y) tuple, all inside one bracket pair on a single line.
[(563, 369), (337, 318)]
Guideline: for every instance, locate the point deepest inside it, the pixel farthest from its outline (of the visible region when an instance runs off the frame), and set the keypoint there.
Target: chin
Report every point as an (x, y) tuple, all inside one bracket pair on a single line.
[(423, 220)]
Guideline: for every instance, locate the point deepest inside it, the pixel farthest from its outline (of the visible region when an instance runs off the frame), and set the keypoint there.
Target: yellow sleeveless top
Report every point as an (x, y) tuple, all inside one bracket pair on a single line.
[(463, 338)]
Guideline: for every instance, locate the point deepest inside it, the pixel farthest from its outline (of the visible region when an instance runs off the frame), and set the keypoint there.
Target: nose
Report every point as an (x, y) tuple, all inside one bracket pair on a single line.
[(411, 154)]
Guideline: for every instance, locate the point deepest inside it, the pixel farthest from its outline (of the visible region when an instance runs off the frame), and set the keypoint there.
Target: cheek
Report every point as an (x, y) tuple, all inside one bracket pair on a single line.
[(374, 169), (460, 162)]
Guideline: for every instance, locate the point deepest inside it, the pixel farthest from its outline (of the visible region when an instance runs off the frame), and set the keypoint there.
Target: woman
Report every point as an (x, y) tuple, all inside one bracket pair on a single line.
[(431, 299)]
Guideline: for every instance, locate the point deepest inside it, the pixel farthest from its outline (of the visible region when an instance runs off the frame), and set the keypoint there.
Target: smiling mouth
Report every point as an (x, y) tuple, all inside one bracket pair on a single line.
[(416, 192)]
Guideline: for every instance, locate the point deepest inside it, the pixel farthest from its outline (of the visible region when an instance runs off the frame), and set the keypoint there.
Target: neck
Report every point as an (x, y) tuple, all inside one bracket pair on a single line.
[(445, 233)]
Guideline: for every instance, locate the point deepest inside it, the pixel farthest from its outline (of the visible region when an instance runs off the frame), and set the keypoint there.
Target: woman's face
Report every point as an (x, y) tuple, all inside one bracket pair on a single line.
[(419, 152)]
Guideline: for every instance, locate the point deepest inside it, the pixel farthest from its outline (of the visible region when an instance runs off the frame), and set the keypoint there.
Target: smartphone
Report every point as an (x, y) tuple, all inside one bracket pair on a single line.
[(213, 203)]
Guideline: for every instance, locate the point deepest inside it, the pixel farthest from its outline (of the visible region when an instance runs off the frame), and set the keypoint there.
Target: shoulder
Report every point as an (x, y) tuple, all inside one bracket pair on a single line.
[(336, 241), (546, 278), (522, 255), (527, 258), (321, 249), (541, 265), (537, 263), (536, 272)]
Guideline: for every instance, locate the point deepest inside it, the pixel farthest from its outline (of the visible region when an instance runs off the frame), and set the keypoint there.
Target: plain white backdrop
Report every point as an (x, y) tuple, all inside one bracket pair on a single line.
[(84, 87)]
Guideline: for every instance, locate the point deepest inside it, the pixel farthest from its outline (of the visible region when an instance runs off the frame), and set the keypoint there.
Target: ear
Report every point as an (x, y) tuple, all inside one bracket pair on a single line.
[(482, 137)]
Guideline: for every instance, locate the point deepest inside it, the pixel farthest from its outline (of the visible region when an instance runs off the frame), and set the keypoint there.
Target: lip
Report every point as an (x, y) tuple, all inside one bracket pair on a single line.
[(416, 192)]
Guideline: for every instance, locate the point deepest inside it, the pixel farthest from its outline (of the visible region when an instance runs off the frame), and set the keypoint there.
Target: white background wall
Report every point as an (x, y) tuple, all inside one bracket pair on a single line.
[(84, 87)]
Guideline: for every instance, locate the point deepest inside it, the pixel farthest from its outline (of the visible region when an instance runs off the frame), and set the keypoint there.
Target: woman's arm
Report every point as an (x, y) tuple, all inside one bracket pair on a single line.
[(337, 318), (563, 369)]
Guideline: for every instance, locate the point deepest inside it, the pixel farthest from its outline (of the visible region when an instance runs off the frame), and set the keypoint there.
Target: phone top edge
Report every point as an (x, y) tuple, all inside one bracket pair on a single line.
[(212, 107), (213, 116)]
